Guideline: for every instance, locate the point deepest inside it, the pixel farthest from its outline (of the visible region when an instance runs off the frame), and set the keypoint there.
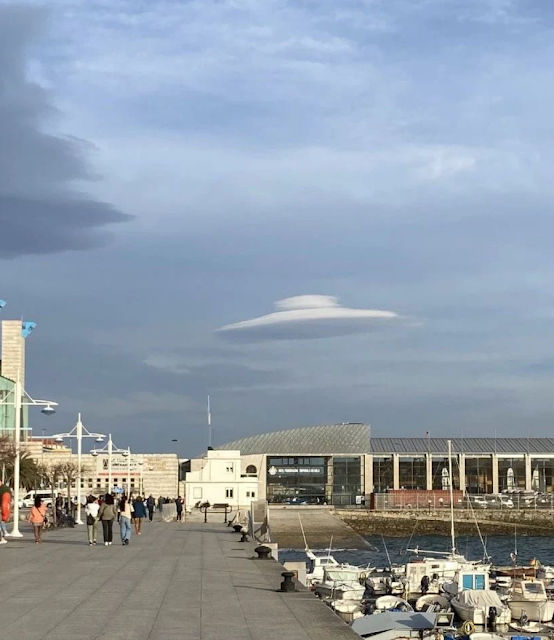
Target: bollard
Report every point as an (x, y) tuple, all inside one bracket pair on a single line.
[(237, 528), (244, 536), (263, 552), (287, 585)]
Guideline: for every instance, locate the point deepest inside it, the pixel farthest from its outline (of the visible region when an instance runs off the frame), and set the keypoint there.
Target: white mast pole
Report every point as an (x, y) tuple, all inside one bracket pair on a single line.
[(452, 535), (209, 424), (16, 469)]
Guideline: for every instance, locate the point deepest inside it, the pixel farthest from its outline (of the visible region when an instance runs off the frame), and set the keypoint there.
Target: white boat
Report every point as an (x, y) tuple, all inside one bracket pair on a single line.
[(348, 610), (392, 603), (475, 606), (528, 601), (432, 602), (534, 628), (391, 625), (317, 564), (341, 583)]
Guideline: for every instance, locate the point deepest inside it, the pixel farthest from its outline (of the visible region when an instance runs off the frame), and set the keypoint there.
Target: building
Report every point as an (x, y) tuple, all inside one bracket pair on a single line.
[(343, 464), (219, 478)]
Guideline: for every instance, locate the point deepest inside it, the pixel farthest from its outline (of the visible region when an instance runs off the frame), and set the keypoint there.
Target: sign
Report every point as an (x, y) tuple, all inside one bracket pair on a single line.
[(286, 471), (120, 465)]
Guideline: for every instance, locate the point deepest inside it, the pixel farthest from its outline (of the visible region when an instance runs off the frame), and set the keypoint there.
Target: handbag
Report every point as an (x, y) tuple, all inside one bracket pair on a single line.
[(90, 519)]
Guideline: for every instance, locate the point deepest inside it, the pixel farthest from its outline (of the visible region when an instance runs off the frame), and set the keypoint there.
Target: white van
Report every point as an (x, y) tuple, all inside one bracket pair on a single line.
[(29, 499)]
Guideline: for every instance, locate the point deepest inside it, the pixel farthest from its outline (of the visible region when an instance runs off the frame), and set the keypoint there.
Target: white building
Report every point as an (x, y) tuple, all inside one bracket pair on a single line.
[(219, 478)]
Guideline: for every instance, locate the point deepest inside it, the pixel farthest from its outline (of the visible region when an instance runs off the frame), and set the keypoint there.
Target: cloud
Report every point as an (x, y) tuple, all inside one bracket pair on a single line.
[(305, 317), (40, 209)]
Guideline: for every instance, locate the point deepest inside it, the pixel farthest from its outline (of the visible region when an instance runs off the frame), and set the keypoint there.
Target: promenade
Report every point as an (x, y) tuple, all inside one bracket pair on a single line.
[(191, 581)]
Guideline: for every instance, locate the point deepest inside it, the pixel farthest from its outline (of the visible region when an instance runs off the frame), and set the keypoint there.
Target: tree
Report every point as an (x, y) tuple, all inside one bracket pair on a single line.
[(28, 470)]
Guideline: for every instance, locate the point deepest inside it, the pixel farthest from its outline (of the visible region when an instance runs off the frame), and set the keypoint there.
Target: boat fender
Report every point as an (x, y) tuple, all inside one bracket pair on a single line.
[(467, 628)]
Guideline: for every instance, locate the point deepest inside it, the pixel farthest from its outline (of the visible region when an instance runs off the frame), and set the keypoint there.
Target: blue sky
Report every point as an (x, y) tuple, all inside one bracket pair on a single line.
[(173, 168)]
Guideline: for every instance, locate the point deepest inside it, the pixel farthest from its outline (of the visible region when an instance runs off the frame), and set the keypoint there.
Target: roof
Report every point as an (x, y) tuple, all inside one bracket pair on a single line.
[(347, 437), (354, 438), (462, 445)]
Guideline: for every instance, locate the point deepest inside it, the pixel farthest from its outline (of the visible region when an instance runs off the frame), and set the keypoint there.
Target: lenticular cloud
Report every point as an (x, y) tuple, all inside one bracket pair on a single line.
[(305, 317)]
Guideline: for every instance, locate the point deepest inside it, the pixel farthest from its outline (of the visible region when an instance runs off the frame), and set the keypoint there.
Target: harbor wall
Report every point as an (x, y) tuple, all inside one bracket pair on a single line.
[(493, 521)]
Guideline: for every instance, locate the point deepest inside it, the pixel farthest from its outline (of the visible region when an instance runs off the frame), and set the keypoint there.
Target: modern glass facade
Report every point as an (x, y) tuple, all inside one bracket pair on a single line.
[(440, 473), (297, 480), (478, 472), (412, 472), (541, 474), (383, 474), (347, 479), (511, 473)]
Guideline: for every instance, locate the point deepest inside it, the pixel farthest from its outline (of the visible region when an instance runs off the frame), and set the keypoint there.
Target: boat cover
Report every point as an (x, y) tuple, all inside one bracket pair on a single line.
[(389, 620), (479, 599)]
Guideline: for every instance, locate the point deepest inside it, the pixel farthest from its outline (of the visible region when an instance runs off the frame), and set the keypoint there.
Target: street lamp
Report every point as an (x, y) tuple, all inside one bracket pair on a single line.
[(21, 399), (110, 449), (79, 431)]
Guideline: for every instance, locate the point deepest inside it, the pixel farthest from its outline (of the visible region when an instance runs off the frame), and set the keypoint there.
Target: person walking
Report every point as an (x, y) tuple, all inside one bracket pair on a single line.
[(106, 514), (140, 513), (179, 507), (36, 518), (151, 505), (160, 504), (91, 511), (125, 519), (5, 504)]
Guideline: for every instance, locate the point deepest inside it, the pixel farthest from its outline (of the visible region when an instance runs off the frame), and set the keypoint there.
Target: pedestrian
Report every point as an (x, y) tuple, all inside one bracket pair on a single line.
[(151, 504), (140, 513), (179, 507), (91, 511), (125, 519), (36, 518), (5, 503), (160, 504), (106, 514)]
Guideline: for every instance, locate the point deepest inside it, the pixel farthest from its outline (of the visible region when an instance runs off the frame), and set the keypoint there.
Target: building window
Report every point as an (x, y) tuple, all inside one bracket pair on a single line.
[(228, 493), (250, 494), (382, 473), (197, 493), (229, 468), (412, 472), (251, 470)]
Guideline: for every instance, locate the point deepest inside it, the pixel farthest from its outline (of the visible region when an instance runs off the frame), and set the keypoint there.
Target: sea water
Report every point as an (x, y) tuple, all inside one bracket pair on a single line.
[(498, 547)]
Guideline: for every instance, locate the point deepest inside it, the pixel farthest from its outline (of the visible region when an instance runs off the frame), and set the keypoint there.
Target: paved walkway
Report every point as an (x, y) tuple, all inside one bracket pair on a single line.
[(190, 581)]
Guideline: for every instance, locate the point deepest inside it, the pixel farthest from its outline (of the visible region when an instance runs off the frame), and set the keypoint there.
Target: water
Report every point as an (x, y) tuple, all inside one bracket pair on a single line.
[(499, 547)]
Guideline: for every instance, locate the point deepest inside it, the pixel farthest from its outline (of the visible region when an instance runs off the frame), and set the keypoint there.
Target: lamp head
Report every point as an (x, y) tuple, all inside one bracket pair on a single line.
[(99, 439), (59, 439), (48, 410), (124, 453), (94, 453)]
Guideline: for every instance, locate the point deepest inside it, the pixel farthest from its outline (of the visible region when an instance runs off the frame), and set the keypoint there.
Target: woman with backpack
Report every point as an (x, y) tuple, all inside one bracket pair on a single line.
[(91, 510), (106, 514)]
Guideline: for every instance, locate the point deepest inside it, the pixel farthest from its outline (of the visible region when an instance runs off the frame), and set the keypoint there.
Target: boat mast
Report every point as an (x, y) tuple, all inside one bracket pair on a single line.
[(452, 534)]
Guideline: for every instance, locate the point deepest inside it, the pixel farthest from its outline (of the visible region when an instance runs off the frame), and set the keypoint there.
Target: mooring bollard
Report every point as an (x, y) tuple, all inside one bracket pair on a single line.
[(244, 536), (288, 585), (263, 552)]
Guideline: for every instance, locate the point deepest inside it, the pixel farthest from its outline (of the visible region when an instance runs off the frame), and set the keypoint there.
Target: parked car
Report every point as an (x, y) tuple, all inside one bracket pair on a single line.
[(28, 499)]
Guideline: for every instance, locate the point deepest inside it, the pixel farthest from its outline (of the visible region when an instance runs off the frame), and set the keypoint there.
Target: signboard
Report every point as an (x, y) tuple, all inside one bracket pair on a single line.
[(120, 465), (285, 471)]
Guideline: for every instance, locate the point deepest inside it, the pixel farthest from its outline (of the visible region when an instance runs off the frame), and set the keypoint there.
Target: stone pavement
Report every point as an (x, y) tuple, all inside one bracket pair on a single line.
[(191, 581)]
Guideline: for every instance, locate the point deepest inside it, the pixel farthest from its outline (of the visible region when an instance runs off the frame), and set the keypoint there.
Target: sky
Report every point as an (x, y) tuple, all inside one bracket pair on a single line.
[(312, 211)]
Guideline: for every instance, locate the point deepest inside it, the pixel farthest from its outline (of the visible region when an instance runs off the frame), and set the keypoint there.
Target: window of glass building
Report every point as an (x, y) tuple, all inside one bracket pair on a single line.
[(541, 474), (511, 473), (478, 474), (347, 480), (297, 480), (412, 472), (441, 474), (382, 473)]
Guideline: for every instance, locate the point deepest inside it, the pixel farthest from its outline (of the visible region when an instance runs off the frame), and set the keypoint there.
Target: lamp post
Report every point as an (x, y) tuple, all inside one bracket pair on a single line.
[(22, 399), (79, 432), (110, 449)]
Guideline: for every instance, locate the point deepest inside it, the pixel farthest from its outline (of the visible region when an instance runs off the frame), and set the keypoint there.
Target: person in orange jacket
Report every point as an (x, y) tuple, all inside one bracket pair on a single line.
[(5, 504)]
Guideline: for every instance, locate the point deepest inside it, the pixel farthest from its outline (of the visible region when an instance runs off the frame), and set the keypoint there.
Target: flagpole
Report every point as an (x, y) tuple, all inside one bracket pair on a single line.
[(209, 424)]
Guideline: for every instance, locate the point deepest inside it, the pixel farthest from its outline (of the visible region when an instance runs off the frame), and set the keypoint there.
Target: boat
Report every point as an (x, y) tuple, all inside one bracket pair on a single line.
[(528, 601), (481, 606), (392, 603), (391, 625), (534, 628), (341, 583), (348, 610), (432, 602)]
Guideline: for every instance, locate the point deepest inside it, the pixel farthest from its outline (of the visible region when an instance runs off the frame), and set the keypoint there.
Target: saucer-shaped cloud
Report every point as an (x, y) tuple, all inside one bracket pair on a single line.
[(305, 317)]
